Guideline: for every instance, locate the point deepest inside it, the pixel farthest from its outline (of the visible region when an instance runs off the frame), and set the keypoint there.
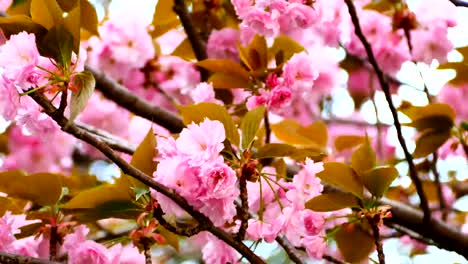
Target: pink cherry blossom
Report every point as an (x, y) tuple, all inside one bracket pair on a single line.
[(204, 93), (298, 72), (222, 44)]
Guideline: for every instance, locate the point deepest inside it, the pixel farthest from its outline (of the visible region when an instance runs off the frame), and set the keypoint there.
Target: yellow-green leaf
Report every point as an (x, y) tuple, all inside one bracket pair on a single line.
[(84, 81), (381, 6), (224, 66), (171, 238), (143, 159), (41, 188), (273, 150), (72, 24), (123, 209), (429, 141), (348, 141), (287, 46), (21, 8), (9, 204), (290, 131), (431, 110), (221, 80), (258, 55), (355, 244), (461, 67), (46, 13), (88, 15), (164, 18), (316, 132), (342, 176), (58, 45), (379, 179), (198, 112), (184, 50), (436, 122), (18, 23), (250, 124), (363, 158), (96, 196), (327, 202)]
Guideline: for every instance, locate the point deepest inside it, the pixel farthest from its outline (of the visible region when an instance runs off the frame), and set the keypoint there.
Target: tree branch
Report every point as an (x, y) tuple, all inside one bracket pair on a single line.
[(112, 141), (290, 250), (123, 97), (7, 258), (126, 168), (459, 3), (445, 236), (386, 89)]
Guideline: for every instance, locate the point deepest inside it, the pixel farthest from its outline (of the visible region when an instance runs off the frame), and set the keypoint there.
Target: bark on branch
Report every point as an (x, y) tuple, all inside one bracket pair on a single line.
[(7, 258)]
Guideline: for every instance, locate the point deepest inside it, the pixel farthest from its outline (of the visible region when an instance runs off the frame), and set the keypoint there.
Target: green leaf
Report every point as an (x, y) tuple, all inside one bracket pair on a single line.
[(316, 132), (171, 238), (46, 13), (290, 131), (355, 244), (258, 53), (41, 188), (461, 68), (348, 141), (380, 6), (221, 80), (123, 209), (328, 202), (184, 50), (224, 66), (28, 230), (164, 18), (72, 24), (20, 7), (273, 150), (363, 158), (84, 81), (67, 5), (436, 122), (18, 23), (250, 125), (429, 111), (342, 176), (429, 141), (379, 179), (198, 112), (286, 46), (12, 205), (88, 17), (97, 196), (143, 159), (58, 45)]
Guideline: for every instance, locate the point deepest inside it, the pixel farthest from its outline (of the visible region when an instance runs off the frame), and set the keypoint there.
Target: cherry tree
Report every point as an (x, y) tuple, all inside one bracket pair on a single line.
[(223, 123)]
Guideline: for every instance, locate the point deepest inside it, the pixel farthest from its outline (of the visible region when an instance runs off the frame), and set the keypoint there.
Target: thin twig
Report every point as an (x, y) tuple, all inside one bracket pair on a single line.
[(114, 142), (7, 258), (181, 231), (126, 168), (243, 212), (198, 45), (290, 250), (332, 259), (459, 3), (112, 90), (388, 96), (377, 240), (53, 242)]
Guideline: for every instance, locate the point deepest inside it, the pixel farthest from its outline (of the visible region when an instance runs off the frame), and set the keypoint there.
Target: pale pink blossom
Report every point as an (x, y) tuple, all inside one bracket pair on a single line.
[(216, 251), (204, 93), (222, 44), (315, 246), (298, 72)]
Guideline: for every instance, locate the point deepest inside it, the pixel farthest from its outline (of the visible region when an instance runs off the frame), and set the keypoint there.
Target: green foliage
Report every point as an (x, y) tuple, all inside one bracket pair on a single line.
[(348, 141), (41, 188), (363, 158), (164, 18), (313, 136), (342, 176), (332, 201), (283, 49), (434, 122), (250, 125), (354, 243), (83, 81), (226, 70), (198, 112), (275, 150), (255, 56), (461, 67), (18, 23), (377, 180)]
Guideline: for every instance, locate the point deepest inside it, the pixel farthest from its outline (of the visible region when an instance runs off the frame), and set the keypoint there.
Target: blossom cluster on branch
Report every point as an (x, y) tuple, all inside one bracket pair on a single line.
[(221, 118)]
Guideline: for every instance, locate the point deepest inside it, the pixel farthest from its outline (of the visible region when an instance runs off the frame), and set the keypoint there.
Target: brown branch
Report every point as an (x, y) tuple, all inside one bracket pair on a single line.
[(181, 231), (126, 168), (290, 250), (124, 98), (7, 258), (332, 259), (243, 210), (377, 240), (388, 96), (459, 3), (53, 240), (197, 43), (444, 235), (114, 142)]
